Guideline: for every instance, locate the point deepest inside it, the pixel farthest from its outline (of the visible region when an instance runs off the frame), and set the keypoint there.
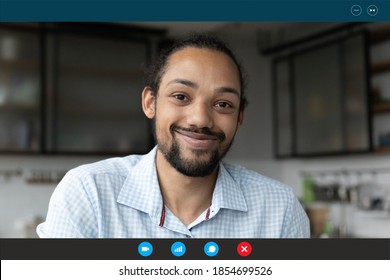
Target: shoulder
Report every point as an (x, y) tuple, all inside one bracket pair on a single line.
[(251, 182), (271, 202), (94, 182), (118, 166), (99, 177)]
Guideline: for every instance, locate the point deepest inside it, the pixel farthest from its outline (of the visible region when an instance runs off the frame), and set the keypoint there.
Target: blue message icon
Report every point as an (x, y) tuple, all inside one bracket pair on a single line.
[(211, 249), (178, 249), (145, 249)]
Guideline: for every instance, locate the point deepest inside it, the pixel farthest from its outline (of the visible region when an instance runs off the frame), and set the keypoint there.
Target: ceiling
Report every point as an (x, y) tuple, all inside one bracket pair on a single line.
[(175, 29), (180, 28)]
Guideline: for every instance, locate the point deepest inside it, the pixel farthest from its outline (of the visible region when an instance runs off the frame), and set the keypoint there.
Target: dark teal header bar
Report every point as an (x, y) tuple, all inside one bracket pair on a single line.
[(187, 10)]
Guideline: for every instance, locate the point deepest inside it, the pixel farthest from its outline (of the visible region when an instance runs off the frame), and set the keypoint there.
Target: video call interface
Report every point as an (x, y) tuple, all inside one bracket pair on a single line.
[(302, 192)]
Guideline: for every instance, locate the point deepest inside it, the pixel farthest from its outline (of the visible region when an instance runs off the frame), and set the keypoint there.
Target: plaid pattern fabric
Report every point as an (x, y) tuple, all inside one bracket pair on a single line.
[(121, 198)]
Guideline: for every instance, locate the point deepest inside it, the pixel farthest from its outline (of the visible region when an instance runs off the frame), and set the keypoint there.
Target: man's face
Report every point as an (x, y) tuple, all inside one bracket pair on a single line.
[(196, 111)]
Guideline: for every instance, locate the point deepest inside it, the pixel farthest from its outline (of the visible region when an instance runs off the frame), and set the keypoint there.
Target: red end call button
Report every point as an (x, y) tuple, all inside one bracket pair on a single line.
[(244, 249)]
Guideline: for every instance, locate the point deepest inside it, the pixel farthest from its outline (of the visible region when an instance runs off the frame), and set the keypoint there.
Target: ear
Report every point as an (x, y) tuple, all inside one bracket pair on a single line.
[(240, 118), (148, 102)]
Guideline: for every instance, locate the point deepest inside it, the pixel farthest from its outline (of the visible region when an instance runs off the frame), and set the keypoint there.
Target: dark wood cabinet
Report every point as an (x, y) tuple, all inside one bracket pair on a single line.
[(321, 99), (20, 91), (380, 87), (74, 88)]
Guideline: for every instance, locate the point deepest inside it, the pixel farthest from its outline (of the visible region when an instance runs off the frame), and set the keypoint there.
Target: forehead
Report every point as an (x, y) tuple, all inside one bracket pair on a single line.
[(190, 59), (191, 51)]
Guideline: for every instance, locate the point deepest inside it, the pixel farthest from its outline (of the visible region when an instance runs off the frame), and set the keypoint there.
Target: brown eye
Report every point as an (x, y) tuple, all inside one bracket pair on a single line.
[(223, 105), (181, 97)]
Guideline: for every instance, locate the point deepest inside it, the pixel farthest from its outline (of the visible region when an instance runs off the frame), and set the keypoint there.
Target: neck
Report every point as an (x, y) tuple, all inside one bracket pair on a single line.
[(187, 197)]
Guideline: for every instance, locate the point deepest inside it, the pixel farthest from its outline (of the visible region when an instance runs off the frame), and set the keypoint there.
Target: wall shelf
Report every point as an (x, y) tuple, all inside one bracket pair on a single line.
[(75, 111), (78, 70), (380, 35), (13, 108), (380, 67), (382, 150), (381, 107), (19, 64)]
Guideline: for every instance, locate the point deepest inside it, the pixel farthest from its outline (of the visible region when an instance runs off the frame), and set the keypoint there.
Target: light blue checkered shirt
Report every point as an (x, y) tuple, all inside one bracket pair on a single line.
[(121, 198)]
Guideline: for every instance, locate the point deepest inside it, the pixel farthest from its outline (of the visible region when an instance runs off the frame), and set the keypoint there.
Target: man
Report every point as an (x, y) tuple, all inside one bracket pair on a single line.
[(195, 98)]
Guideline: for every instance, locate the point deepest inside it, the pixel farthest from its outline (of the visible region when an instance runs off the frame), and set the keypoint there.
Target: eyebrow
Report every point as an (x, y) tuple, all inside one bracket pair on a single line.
[(193, 85), (228, 90), (187, 83)]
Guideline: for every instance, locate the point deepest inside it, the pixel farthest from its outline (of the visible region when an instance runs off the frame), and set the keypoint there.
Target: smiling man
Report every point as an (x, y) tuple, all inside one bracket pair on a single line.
[(195, 99)]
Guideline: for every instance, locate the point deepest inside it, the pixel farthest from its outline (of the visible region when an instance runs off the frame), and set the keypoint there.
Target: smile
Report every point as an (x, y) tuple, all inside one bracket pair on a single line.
[(197, 140)]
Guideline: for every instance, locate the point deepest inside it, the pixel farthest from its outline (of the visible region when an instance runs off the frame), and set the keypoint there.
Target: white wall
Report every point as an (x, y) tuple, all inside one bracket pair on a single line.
[(22, 202)]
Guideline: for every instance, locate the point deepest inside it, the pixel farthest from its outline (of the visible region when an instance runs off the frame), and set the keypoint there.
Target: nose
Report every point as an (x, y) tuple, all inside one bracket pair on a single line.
[(200, 115)]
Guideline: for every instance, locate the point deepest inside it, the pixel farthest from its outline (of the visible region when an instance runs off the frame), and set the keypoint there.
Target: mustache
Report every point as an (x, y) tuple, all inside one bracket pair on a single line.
[(204, 130)]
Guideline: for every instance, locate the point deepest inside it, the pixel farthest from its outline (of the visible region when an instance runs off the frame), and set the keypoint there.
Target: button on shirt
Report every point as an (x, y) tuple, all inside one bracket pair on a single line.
[(121, 198)]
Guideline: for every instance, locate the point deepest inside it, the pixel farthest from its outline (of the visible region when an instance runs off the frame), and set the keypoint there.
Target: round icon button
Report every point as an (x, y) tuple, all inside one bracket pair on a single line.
[(372, 10), (211, 249), (356, 10), (145, 249), (178, 249), (244, 249)]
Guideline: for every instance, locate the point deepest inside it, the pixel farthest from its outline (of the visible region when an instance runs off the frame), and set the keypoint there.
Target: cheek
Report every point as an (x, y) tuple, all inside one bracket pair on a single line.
[(164, 119), (229, 126), (166, 115)]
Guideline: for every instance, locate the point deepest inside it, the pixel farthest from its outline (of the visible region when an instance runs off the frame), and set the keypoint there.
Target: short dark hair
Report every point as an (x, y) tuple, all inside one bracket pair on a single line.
[(198, 40)]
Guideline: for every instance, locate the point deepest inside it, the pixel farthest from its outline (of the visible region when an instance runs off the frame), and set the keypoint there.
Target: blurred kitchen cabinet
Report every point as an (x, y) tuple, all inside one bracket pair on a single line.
[(68, 88), (320, 99), (20, 90), (98, 83), (380, 87)]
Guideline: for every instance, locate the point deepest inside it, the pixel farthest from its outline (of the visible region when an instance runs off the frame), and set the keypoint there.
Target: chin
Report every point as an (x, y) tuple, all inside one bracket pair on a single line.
[(196, 153)]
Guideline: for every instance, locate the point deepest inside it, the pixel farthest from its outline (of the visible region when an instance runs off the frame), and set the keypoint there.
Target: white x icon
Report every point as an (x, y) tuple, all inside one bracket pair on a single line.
[(244, 249)]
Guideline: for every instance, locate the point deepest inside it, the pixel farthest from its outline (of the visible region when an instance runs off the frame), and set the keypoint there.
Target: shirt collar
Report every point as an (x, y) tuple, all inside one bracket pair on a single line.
[(141, 189), (227, 193)]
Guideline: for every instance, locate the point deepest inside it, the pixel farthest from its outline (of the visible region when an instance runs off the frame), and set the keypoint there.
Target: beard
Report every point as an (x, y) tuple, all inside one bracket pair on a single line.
[(196, 167)]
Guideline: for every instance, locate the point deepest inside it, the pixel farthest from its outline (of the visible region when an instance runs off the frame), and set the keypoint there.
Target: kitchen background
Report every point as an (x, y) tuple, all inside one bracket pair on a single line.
[(318, 117)]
